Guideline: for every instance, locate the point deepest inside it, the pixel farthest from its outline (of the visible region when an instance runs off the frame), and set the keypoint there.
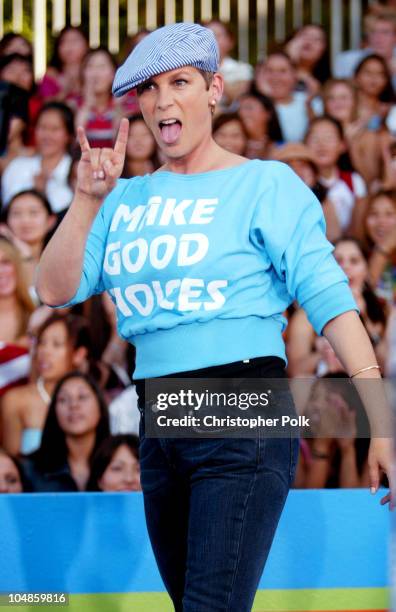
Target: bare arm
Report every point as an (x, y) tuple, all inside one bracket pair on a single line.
[(12, 425), (352, 346), (97, 174)]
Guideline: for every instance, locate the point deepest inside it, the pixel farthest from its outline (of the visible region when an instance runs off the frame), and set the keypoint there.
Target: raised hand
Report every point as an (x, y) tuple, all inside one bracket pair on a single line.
[(99, 169)]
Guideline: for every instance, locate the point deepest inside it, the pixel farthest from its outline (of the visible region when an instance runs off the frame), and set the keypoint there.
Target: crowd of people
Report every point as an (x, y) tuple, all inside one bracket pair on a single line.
[(68, 405)]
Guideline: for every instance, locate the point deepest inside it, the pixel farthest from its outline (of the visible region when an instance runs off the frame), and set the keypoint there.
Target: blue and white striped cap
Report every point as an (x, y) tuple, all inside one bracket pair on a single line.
[(170, 47)]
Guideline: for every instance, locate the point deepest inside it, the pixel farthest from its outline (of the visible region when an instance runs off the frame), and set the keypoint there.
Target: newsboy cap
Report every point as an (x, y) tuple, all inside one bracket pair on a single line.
[(172, 46)]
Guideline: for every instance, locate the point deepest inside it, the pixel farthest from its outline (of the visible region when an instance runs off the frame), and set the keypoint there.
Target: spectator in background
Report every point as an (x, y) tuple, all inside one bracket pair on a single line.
[(99, 113), (115, 465), (141, 154), (261, 123), (15, 302), (62, 81), (237, 75), (381, 40), (335, 456), (340, 102), (29, 219), (374, 90), (48, 170), (346, 188), (350, 255), (62, 345), (309, 354), (380, 227), (76, 425), (17, 69), (299, 157), (15, 43), (230, 132), (308, 48), (16, 307), (277, 78), (11, 475), (17, 136)]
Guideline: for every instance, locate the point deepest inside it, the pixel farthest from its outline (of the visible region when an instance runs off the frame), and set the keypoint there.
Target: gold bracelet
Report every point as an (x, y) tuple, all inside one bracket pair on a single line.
[(372, 367)]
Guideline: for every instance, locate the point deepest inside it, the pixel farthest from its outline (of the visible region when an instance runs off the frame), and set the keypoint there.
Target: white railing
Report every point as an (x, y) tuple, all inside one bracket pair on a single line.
[(256, 24)]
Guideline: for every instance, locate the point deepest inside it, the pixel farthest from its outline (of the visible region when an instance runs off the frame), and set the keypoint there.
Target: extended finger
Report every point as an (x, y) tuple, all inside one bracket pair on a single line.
[(95, 157), (122, 137), (83, 140)]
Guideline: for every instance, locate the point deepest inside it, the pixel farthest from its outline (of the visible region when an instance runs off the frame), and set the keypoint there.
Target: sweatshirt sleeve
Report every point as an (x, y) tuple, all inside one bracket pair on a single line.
[(91, 281), (289, 224)]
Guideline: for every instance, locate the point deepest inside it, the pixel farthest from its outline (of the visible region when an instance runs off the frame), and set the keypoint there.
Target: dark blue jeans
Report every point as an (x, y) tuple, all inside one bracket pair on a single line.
[(212, 507)]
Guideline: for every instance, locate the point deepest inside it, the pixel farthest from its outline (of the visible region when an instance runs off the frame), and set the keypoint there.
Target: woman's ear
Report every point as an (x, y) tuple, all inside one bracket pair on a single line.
[(217, 87)]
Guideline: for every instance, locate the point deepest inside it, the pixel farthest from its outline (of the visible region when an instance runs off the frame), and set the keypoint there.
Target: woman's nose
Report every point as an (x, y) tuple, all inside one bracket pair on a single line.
[(164, 98)]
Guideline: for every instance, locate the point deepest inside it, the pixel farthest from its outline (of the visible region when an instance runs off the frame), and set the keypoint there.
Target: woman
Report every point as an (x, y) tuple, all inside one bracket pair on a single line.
[(141, 153), (76, 425), (336, 454), (98, 112), (15, 43), (375, 91), (11, 476), (277, 79), (230, 133), (62, 81), (25, 102), (309, 50), (16, 307), (380, 228), (261, 123), (201, 491), (15, 303), (340, 103), (309, 354), (47, 171), (345, 188), (62, 346), (115, 465), (29, 219)]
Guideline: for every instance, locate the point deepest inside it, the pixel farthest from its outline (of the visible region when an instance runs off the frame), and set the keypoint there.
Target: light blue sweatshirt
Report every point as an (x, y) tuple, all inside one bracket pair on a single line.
[(202, 266)]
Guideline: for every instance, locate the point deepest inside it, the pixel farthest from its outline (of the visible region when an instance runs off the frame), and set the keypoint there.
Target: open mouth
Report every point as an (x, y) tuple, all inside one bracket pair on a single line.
[(170, 130)]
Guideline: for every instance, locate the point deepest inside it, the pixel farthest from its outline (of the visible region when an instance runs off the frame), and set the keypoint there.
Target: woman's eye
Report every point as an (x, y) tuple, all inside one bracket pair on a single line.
[(83, 398), (180, 81), (144, 87)]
